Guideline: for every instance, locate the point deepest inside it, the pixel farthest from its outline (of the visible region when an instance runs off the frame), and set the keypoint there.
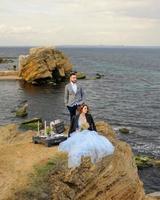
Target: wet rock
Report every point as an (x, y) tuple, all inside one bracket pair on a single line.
[(146, 161), (6, 60), (22, 111), (143, 161), (1, 60), (124, 130), (14, 67), (31, 124), (81, 75), (157, 163), (98, 76), (34, 83)]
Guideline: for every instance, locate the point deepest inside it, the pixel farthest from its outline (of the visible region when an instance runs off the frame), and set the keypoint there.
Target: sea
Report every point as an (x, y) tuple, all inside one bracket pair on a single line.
[(127, 95)]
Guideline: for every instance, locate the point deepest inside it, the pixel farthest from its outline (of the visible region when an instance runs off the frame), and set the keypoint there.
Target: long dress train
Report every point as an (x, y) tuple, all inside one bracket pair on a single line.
[(86, 143)]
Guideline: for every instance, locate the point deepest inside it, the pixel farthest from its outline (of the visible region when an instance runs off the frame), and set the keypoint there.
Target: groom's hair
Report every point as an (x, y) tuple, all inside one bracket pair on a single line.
[(72, 73)]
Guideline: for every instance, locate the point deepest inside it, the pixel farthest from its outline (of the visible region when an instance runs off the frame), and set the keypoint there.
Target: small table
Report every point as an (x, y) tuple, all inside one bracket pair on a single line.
[(49, 141), (57, 138)]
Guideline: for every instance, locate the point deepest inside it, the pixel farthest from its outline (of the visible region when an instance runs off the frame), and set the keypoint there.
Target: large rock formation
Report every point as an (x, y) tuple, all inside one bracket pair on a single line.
[(113, 178), (43, 63)]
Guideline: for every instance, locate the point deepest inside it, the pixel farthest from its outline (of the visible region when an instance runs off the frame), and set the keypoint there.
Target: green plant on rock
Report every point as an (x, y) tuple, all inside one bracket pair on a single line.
[(143, 161), (31, 124)]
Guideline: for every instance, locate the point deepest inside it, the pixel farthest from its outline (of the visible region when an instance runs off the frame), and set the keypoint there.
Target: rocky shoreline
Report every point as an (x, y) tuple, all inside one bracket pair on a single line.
[(115, 177), (42, 64), (9, 75)]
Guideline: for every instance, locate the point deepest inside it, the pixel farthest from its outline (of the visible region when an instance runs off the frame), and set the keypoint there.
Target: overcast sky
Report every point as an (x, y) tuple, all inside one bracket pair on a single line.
[(79, 22)]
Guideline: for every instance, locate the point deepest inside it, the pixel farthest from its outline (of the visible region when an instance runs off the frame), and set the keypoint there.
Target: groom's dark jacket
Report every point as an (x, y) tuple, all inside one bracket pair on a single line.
[(74, 123)]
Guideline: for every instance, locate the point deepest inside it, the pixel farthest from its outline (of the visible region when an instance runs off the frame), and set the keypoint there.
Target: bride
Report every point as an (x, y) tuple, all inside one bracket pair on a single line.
[(84, 141)]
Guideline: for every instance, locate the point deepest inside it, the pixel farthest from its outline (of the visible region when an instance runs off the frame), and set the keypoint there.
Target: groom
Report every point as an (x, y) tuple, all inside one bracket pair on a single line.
[(74, 95)]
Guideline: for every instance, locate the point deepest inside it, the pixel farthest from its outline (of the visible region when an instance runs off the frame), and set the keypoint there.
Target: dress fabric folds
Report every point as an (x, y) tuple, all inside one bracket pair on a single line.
[(86, 143)]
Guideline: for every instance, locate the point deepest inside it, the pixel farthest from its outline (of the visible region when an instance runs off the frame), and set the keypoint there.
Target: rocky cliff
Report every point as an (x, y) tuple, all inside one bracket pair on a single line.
[(113, 178), (44, 62)]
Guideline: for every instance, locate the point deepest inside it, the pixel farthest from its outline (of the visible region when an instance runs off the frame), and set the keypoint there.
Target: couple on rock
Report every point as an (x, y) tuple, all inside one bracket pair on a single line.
[(83, 138)]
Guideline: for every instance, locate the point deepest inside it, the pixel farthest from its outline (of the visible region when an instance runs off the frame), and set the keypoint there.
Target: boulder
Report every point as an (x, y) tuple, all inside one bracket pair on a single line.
[(5, 60), (22, 111), (143, 161), (115, 177), (157, 163), (81, 75), (43, 63), (98, 76), (124, 130)]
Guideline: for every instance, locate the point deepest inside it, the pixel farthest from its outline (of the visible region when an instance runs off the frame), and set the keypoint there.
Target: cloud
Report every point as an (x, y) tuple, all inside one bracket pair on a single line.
[(148, 9), (15, 29), (80, 21)]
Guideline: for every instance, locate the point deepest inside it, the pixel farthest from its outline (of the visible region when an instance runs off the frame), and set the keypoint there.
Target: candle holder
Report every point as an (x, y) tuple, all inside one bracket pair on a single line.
[(50, 135)]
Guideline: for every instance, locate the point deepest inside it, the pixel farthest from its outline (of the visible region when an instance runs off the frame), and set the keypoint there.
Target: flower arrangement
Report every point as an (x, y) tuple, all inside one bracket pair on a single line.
[(84, 126), (48, 130)]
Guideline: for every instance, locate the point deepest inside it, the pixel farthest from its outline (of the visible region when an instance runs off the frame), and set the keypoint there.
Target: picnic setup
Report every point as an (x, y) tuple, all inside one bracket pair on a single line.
[(50, 135)]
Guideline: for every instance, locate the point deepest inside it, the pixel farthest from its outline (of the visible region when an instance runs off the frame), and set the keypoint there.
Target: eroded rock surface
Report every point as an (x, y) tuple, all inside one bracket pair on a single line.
[(44, 62)]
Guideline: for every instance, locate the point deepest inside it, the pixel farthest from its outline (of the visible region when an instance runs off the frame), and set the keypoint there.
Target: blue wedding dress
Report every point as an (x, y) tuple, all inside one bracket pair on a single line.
[(86, 143)]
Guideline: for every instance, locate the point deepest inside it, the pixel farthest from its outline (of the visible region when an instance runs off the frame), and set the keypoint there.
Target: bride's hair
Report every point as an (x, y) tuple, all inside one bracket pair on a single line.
[(82, 106)]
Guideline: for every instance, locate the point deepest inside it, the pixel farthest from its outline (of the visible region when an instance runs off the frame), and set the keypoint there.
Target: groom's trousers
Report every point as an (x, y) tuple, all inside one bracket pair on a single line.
[(72, 111)]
